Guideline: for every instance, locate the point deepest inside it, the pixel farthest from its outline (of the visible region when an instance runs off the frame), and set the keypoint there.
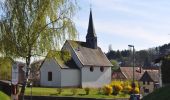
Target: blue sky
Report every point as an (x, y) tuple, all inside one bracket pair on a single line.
[(142, 23)]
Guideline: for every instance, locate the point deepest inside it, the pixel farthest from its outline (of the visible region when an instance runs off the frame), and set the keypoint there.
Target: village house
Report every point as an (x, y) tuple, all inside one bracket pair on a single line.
[(78, 64), (149, 81), (18, 72), (148, 77), (126, 73)]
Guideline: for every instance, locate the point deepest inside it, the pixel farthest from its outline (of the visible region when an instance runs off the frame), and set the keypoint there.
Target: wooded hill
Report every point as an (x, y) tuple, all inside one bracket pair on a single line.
[(143, 58)]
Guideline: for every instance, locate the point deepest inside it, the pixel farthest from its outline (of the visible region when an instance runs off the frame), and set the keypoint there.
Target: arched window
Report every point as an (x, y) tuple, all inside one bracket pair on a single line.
[(91, 68), (101, 68)]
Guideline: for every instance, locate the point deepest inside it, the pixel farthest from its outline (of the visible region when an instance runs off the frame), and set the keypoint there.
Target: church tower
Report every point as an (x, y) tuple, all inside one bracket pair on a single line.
[(91, 38)]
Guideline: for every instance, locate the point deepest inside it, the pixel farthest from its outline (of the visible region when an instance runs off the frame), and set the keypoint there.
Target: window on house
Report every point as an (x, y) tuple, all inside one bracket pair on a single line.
[(91, 68), (143, 82), (101, 68), (49, 76), (148, 83)]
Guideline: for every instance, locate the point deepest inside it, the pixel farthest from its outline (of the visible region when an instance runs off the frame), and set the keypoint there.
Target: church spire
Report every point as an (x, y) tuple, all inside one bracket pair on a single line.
[(91, 30), (91, 37)]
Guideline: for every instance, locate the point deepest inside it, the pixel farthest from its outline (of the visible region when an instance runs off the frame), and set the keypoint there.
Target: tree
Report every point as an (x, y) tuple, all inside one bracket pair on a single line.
[(165, 68), (31, 27), (115, 65)]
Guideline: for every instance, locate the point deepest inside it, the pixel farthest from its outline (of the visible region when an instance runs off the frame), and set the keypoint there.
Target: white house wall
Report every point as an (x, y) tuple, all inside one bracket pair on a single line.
[(95, 78), (50, 65), (70, 78)]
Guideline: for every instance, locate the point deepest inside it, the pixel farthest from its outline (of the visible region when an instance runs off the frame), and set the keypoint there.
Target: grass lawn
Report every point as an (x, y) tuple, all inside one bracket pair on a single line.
[(3, 96), (39, 91)]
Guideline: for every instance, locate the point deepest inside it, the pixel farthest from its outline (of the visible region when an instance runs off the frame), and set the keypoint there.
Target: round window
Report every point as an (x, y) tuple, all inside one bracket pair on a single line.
[(101, 68), (91, 68)]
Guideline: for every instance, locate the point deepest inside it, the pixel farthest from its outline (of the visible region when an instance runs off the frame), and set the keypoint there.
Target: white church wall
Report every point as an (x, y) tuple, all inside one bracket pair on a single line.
[(50, 65), (95, 78), (70, 78)]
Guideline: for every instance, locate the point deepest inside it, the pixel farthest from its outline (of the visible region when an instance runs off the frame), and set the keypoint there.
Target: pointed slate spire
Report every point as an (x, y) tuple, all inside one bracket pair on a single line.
[(91, 37), (91, 29)]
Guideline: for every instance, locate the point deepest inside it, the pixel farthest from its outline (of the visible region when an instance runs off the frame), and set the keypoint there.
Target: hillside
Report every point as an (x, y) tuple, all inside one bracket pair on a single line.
[(159, 94)]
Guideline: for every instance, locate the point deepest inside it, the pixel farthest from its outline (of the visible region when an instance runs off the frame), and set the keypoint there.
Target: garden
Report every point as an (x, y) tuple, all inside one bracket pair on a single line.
[(116, 89)]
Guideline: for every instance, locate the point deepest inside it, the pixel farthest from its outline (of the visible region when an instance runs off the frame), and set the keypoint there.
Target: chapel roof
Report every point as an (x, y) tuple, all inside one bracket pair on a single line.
[(89, 56)]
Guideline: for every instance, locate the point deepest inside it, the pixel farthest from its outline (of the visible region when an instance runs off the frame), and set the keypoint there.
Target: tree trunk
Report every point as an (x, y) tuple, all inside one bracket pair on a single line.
[(26, 77)]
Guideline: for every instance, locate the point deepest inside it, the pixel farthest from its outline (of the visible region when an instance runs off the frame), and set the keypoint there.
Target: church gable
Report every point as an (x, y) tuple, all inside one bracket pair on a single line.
[(63, 58)]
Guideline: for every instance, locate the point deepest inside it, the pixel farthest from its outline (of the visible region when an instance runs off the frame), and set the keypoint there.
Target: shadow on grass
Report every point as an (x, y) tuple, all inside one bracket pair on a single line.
[(81, 94), (55, 94)]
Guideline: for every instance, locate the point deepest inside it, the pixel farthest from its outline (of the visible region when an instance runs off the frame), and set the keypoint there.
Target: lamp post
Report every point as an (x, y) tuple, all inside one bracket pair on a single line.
[(133, 81)]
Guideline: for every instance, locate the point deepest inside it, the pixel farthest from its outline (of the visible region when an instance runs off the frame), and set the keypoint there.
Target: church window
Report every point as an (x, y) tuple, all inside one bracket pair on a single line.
[(91, 68), (49, 76), (101, 68)]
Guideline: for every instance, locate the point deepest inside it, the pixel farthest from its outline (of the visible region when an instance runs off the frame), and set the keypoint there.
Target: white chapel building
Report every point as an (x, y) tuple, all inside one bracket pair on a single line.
[(78, 64)]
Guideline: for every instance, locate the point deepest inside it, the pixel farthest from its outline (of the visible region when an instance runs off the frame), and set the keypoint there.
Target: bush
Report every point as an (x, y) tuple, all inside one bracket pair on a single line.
[(117, 88), (107, 89), (127, 89), (87, 90), (59, 90), (100, 90), (136, 91), (74, 91)]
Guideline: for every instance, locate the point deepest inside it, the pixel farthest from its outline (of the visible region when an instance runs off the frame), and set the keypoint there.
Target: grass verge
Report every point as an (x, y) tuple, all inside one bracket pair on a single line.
[(94, 93), (3, 96)]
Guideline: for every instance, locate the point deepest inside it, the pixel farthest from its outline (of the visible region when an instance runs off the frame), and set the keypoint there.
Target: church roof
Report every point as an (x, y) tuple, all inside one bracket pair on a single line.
[(63, 58), (89, 56)]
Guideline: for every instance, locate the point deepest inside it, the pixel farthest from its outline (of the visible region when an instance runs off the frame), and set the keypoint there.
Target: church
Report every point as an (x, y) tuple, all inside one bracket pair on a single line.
[(78, 64)]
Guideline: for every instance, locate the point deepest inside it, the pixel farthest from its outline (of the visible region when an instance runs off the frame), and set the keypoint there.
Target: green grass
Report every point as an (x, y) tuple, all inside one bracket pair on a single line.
[(3, 96), (159, 94), (37, 91)]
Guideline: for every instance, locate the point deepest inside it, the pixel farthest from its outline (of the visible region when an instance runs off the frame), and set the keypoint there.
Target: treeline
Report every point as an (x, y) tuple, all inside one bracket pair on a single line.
[(144, 58)]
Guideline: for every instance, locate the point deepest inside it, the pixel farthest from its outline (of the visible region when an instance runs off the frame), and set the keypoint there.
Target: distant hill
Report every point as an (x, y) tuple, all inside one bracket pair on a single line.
[(143, 58), (159, 94)]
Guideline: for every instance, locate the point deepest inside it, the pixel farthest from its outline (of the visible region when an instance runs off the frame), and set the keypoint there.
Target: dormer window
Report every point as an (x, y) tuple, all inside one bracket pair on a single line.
[(91, 68), (101, 68)]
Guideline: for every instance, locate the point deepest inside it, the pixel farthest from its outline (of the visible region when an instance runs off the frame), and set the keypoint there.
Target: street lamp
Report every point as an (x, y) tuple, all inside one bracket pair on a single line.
[(133, 81)]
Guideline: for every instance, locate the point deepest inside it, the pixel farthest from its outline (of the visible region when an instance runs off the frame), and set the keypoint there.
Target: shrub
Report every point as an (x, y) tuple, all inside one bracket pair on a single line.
[(127, 89), (74, 91), (59, 90), (117, 88), (107, 89), (136, 91), (87, 90), (99, 90)]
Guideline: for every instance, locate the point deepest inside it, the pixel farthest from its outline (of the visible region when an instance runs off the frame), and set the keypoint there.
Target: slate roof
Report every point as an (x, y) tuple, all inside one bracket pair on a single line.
[(128, 72), (89, 56), (150, 76), (65, 64)]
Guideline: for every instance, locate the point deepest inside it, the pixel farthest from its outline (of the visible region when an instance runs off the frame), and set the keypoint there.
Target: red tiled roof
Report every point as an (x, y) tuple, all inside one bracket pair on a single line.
[(128, 72)]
